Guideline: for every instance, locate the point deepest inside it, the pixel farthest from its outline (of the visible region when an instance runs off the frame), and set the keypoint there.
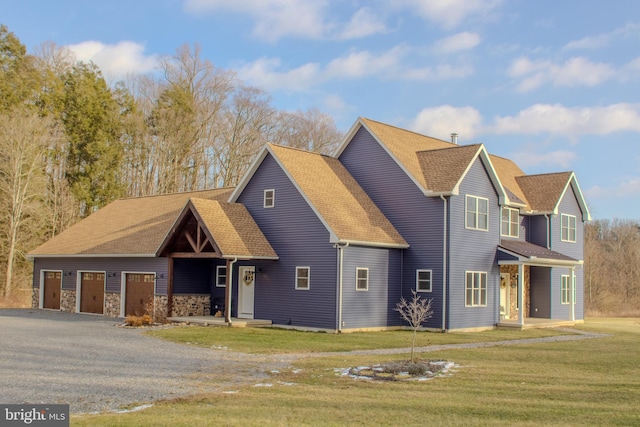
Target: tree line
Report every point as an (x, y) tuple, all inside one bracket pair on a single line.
[(70, 142)]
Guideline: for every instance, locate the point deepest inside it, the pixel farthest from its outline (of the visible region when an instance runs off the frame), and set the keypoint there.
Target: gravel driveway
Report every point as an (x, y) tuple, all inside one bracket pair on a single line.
[(90, 363)]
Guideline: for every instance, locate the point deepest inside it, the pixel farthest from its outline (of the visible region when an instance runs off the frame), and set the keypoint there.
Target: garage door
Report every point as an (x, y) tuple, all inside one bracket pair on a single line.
[(52, 285), (139, 294), (92, 293)]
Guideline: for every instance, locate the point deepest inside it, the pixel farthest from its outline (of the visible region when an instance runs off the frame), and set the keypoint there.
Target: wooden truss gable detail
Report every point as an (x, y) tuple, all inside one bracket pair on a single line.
[(200, 241)]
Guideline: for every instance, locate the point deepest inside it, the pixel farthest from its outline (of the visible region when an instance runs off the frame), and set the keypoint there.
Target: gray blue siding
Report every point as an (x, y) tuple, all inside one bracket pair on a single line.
[(537, 232), (112, 266), (373, 307), (540, 292), (299, 239), (473, 250), (419, 219)]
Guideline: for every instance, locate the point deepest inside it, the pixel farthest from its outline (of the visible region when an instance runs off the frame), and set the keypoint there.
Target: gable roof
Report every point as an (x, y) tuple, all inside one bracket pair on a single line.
[(414, 153), (229, 226), (546, 191), (333, 194), (131, 227), (508, 172)]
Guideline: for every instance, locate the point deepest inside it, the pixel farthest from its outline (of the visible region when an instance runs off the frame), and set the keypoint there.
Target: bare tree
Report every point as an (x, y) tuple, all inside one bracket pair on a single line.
[(24, 139), (415, 312)]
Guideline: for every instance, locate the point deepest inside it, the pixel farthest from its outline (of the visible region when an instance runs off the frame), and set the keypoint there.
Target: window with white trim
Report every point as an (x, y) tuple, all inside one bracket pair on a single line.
[(221, 276), (423, 280), (510, 225), (303, 277), (477, 211), (568, 228), (475, 289), (269, 198), (566, 289), (362, 279)]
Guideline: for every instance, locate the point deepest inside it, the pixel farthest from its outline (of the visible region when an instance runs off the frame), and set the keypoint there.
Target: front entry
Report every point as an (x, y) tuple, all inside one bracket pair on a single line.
[(246, 291), (505, 297), (139, 294), (51, 292)]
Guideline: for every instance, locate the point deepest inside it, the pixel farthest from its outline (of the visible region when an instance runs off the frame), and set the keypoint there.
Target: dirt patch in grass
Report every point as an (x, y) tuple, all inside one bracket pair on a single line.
[(401, 370)]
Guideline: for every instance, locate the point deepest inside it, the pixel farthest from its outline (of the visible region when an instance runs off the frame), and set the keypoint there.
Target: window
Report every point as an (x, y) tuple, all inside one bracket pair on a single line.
[(269, 198), (221, 276), (510, 222), (476, 289), (477, 213), (423, 280), (302, 277), (568, 228), (566, 290), (362, 279)]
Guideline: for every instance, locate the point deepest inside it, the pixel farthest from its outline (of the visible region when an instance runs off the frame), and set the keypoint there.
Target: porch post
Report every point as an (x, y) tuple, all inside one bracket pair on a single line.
[(521, 293), (227, 291)]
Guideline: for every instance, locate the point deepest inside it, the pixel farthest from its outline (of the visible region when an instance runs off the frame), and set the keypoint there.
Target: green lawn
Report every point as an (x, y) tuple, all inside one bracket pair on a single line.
[(273, 340), (588, 382)]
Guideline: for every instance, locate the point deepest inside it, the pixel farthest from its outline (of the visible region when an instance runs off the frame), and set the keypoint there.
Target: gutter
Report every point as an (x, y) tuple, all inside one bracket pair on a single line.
[(444, 265)]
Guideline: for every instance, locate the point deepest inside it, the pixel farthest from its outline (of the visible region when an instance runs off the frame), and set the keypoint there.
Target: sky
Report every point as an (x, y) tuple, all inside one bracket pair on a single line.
[(553, 85)]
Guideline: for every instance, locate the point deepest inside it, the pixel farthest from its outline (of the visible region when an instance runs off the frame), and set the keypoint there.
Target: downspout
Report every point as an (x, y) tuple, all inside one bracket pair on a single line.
[(228, 293), (444, 266), (340, 282), (548, 231), (573, 290)]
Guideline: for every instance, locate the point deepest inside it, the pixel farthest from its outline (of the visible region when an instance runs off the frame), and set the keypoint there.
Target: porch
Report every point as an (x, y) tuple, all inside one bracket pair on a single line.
[(220, 321), (536, 323)]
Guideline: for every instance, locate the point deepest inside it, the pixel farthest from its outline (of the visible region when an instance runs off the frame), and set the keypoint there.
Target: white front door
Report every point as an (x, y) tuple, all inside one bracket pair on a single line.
[(246, 291), (505, 300)]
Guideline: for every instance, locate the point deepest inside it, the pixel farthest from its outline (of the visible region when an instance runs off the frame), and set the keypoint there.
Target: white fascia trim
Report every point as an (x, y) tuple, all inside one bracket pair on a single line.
[(302, 193), (348, 137), (372, 244), (353, 131), (249, 174), (535, 262), (493, 176), (573, 181)]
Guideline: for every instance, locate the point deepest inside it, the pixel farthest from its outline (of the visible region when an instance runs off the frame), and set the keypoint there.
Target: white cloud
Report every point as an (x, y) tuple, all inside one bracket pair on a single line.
[(115, 60), (559, 120), (576, 71), (263, 73), (605, 39), (266, 73), (448, 13), (561, 158), (538, 119), (441, 121), (627, 188), (275, 19), (457, 42), (363, 23)]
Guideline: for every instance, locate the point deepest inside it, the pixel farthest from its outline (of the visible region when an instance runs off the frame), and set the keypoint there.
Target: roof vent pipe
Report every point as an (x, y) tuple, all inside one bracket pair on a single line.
[(454, 138)]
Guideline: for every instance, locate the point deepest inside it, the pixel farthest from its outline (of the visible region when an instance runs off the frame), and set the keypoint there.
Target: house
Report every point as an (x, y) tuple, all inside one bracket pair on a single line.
[(333, 242)]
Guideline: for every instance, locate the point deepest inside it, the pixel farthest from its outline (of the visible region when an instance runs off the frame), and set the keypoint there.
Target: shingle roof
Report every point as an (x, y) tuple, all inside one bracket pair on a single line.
[(544, 191), (233, 229), (534, 252), (442, 169), (404, 145), (132, 226), (337, 198), (508, 171)]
